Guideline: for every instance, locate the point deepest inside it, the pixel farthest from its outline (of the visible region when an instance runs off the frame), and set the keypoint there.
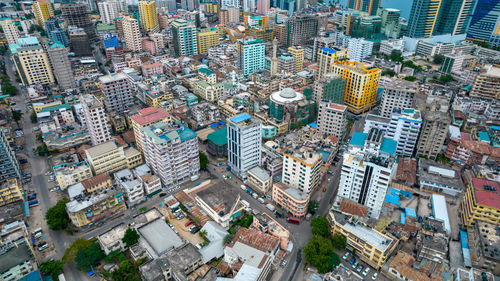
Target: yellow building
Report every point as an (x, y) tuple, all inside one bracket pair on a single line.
[(372, 246), (210, 92), (69, 174), (148, 16), (326, 58), (97, 184), (361, 85), (33, 66), (10, 191), (91, 209), (298, 53), (211, 8), (37, 107), (156, 98), (110, 157), (146, 117), (261, 32), (43, 10), (207, 38), (481, 202)]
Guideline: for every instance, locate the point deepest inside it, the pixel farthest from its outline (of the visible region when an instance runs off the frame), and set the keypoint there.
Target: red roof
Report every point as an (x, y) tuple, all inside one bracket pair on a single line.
[(484, 193), (150, 115)]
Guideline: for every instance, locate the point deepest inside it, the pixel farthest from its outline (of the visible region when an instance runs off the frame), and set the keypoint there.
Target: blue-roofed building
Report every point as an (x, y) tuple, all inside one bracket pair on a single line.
[(111, 41), (373, 156), (244, 143), (162, 141), (484, 137)]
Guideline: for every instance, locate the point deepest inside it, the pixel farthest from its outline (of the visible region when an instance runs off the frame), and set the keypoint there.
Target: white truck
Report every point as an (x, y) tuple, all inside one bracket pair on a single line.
[(270, 207)]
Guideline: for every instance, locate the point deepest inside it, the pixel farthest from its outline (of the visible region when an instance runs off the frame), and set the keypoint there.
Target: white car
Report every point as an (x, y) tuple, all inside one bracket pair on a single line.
[(345, 256), (374, 276), (366, 271)]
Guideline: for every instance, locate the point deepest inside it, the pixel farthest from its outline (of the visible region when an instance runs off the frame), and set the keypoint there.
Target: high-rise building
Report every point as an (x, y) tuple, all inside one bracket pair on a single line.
[(233, 14), (251, 55), (361, 84), (360, 48), (274, 58), (244, 144), (95, 119), (452, 62), (423, 17), (298, 53), (43, 10), (132, 34), (55, 32), (397, 94), (184, 37), (223, 15), (301, 169), (148, 16), (484, 25), (403, 126), (229, 3), (110, 9), (286, 64), (262, 6), (117, 92), (78, 15), (454, 16), (61, 66), (80, 44), (331, 88), (435, 117), (147, 117), (487, 83), (207, 38), (32, 62), (171, 151), (9, 167), (10, 30), (367, 169), (480, 202), (326, 58), (369, 6), (332, 119), (301, 29)]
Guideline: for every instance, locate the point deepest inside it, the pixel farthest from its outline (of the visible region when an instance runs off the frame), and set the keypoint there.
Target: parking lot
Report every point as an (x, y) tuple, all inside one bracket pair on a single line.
[(359, 268), (182, 230)]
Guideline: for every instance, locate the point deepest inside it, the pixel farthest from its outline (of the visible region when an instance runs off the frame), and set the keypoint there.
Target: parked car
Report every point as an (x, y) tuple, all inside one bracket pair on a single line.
[(366, 271), (359, 268), (243, 187), (355, 264), (194, 230), (163, 194), (261, 200), (345, 256), (374, 276), (352, 260), (284, 263), (42, 246), (188, 223)]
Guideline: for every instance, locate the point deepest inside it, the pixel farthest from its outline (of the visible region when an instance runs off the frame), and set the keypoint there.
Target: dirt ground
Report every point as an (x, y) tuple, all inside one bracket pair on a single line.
[(182, 230)]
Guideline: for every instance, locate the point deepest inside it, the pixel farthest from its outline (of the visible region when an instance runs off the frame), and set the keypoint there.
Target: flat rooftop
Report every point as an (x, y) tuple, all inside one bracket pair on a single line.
[(113, 235), (433, 172), (486, 193), (369, 235), (160, 237), (218, 197), (102, 148), (260, 173)]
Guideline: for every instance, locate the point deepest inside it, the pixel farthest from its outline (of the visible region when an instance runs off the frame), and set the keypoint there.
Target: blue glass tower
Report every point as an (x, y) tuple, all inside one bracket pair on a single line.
[(485, 20)]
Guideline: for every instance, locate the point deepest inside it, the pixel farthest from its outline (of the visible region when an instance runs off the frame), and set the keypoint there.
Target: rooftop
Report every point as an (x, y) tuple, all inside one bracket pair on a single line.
[(65, 169), (433, 172), (440, 211), (219, 198), (292, 192), (218, 137), (260, 173), (95, 180), (162, 132), (353, 208), (102, 148), (285, 96), (112, 78), (309, 158), (407, 170), (159, 236), (78, 205), (403, 263), (114, 234), (486, 192), (13, 257)]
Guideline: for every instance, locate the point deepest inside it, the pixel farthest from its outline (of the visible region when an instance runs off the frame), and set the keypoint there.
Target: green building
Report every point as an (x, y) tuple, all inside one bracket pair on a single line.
[(330, 87), (366, 27), (293, 107)]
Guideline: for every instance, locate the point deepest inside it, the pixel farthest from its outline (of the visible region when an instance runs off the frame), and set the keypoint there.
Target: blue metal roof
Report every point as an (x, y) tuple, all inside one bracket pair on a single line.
[(403, 219), (484, 136), (392, 196), (240, 118), (358, 139), (28, 41), (33, 276), (410, 212), (313, 125), (328, 50), (464, 238), (389, 146)]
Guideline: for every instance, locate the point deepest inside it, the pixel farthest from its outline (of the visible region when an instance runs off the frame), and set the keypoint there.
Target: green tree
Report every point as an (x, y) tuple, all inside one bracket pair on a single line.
[(313, 206), (438, 59), (396, 55), (33, 117), (320, 226), (52, 268), (410, 78), (74, 248), (446, 78), (125, 272), (339, 241), (203, 161), (131, 237), (114, 256), (56, 217), (42, 150), (388, 72), (318, 252), (87, 258), (333, 260), (16, 116)]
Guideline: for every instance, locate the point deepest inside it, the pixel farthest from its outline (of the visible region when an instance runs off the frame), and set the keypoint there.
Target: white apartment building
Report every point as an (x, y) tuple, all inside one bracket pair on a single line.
[(150, 182), (234, 14), (403, 126), (397, 94), (95, 119), (244, 144), (229, 3), (132, 34), (332, 119), (387, 46), (10, 30), (367, 170), (360, 48), (301, 169), (171, 150), (109, 10), (131, 186), (117, 92)]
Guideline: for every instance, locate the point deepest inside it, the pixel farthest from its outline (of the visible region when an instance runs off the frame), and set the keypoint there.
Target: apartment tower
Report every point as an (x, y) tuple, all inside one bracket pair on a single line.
[(251, 55), (78, 15), (95, 119), (132, 34), (43, 10), (184, 37), (61, 66), (117, 92), (148, 16)]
